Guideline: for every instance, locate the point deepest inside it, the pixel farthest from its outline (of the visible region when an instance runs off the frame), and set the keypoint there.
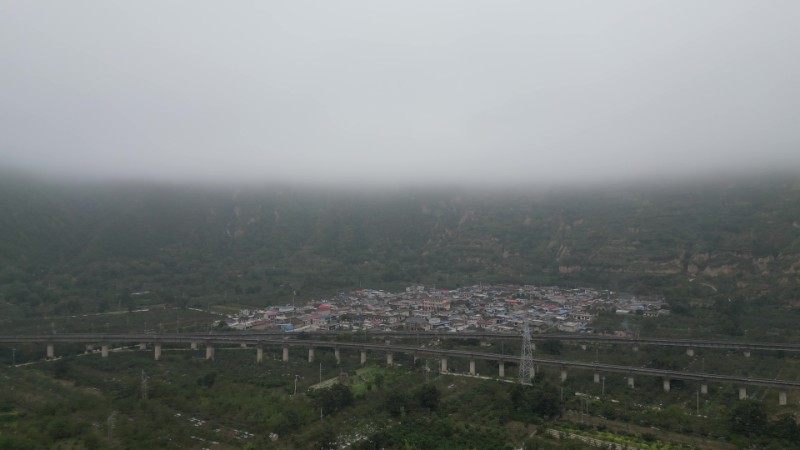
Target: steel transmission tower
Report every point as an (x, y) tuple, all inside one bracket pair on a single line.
[(526, 369)]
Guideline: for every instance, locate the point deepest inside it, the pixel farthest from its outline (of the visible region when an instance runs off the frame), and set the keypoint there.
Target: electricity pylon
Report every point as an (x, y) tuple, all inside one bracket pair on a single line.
[(526, 369)]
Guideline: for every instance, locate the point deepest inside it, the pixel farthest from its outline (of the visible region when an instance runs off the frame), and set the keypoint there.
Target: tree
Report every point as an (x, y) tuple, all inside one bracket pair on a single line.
[(335, 398), (551, 346), (208, 379), (786, 427), (536, 400), (428, 396), (748, 418), (326, 440), (397, 402)]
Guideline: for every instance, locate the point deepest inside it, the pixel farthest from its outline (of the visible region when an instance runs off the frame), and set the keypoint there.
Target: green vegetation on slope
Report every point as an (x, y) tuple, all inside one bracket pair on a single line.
[(69, 249)]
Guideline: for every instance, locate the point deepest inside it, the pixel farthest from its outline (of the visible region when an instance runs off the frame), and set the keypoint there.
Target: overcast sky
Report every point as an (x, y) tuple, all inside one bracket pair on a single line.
[(388, 91)]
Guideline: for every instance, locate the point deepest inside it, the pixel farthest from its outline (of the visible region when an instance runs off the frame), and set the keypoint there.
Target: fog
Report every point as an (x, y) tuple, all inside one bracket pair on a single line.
[(418, 92)]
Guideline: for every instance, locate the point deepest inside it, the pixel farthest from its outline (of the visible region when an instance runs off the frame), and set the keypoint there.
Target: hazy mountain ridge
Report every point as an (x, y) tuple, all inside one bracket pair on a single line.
[(70, 241)]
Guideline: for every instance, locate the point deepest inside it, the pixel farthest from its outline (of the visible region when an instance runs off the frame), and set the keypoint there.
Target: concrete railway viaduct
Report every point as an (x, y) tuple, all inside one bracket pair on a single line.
[(312, 341)]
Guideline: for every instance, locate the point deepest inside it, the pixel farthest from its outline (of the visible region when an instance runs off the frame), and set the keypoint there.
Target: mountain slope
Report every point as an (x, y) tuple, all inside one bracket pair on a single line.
[(90, 241)]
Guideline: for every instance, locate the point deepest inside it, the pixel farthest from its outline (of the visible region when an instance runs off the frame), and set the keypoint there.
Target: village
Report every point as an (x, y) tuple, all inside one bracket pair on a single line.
[(496, 308)]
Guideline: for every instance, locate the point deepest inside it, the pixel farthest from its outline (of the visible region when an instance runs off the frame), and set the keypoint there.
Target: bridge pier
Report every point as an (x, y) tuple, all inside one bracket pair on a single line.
[(635, 348), (472, 367), (104, 350), (689, 352), (142, 345), (363, 357), (782, 398), (389, 359), (259, 354), (157, 351), (704, 388), (285, 354), (193, 345), (209, 351), (583, 347), (337, 354), (243, 344), (742, 393), (51, 351), (666, 385), (596, 377), (563, 375), (311, 354), (630, 382), (747, 353), (443, 364), (502, 368)]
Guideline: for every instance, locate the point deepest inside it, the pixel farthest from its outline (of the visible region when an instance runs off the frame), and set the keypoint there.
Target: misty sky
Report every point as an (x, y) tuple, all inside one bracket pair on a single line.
[(453, 91)]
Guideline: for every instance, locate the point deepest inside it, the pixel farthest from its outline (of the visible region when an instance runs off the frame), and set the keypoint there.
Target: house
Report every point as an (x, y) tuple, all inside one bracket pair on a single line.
[(417, 323)]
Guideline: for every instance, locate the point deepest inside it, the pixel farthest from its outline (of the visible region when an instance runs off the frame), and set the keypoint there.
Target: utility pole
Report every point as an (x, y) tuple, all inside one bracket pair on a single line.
[(144, 386), (112, 419)]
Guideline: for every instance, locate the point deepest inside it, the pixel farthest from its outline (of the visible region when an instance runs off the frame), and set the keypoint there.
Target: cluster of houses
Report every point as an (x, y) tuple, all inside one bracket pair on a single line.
[(498, 308)]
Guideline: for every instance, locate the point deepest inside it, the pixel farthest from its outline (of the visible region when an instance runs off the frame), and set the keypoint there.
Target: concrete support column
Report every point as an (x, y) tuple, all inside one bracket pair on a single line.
[(363, 357), (194, 345), (742, 393), (563, 375), (209, 351), (51, 351), (143, 346), (285, 354), (597, 378), (443, 364), (104, 350), (666, 385), (472, 367), (157, 351), (635, 348), (704, 388), (337, 354), (502, 366), (259, 354), (630, 382), (533, 346), (243, 344), (311, 354), (747, 353), (689, 352), (389, 360), (583, 347), (782, 398)]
